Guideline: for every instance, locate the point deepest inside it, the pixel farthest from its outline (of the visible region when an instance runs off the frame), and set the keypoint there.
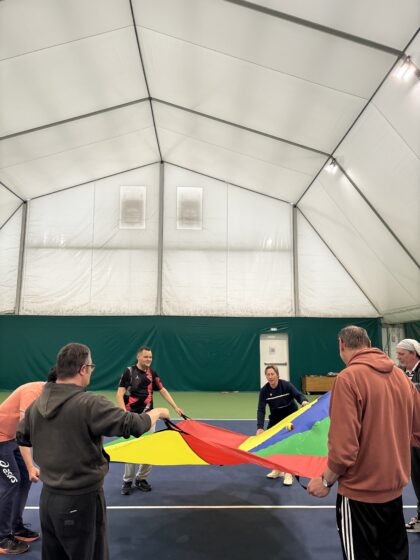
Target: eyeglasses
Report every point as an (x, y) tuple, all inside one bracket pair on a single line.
[(93, 366)]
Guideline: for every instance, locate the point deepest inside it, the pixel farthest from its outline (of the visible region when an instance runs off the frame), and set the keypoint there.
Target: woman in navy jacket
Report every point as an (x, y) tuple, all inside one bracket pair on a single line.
[(281, 397)]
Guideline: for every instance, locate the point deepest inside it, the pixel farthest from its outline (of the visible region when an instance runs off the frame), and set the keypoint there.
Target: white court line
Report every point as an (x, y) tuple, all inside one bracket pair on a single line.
[(218, 507)]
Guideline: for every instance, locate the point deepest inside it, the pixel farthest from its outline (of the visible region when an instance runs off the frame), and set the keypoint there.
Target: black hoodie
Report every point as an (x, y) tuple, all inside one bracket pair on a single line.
[(65, 426)]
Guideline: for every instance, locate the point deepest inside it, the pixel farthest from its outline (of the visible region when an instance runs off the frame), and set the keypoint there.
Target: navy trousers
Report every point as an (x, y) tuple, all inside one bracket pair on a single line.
[(14, 487)]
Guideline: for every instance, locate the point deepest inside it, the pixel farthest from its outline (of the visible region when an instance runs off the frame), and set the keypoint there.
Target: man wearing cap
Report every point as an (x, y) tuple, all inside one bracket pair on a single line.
[(408, 354)]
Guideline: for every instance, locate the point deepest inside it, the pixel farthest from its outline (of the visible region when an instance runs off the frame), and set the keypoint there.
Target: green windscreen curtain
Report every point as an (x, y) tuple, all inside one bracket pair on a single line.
[(412, 330), (189, 353)]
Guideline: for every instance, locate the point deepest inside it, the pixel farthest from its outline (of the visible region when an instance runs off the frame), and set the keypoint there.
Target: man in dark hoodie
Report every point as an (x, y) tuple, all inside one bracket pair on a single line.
[(375, 414), (65, 426)]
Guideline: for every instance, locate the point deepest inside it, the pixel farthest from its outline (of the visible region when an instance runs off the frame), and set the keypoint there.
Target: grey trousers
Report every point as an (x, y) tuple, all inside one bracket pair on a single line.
[(143, 471)]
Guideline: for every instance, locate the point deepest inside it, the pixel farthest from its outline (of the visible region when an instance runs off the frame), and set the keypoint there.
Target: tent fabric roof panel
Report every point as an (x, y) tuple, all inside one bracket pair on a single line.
[(79, 151), (399, 103), (384, 21), (246, 94), (8, 204), (33, 25), (271, 43), (402, 316), (235, 155), (74, 134), (379, 161), (52, 85)]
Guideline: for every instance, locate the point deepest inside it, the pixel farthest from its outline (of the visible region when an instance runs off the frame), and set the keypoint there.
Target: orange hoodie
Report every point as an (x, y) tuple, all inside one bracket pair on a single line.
[(375, 412)]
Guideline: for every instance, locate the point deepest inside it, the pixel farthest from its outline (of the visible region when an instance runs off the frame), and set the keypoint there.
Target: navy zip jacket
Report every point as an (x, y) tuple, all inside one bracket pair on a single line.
[(281, 400)]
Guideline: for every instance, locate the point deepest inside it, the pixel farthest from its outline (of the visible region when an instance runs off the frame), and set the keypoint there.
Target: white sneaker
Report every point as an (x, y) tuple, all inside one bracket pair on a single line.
[(288, 479), (275, 474), (413, 526)]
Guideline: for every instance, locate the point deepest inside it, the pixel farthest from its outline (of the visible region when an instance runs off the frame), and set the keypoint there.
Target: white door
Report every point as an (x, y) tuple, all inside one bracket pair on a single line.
[(274, 350), (391, 336)]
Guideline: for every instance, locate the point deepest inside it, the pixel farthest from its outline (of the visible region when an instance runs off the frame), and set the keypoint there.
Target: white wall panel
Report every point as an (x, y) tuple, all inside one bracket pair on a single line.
[(62, 220), (194, 282), (125, 261), (69, 80), (259, 255), (57, 281), (80, 151), (78, 260), (107, 233), (258, 222), (213, 234), (387, 172), (9, 262), (325, 288), (241, 92), (270, 42), (124, 282), (260, 284), (238, 264), (361, 242), (222, 151)]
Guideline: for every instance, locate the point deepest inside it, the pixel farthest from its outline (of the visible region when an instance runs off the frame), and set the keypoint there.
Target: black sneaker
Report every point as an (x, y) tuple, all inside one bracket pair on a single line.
[(143, 485), (126, 488), (10, 545), (26, 535)]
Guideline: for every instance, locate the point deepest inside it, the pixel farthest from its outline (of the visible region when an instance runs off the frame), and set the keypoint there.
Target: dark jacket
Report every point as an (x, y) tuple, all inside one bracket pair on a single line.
[(415, 377), (281, 401), (65, 426)]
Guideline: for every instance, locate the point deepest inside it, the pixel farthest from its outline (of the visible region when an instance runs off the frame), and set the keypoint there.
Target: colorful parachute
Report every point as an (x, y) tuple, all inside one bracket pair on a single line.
[(297, 445)]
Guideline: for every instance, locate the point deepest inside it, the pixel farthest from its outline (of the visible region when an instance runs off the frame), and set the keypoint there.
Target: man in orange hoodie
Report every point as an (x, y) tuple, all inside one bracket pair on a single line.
[(375, 417), (17, 469)]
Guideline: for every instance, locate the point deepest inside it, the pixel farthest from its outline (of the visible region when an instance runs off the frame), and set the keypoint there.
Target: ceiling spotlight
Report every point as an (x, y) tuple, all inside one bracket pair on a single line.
[(406, 69), (331, 166)]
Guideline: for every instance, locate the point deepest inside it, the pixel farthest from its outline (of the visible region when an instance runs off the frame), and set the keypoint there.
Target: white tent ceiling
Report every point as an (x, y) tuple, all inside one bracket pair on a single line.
[(248, 101)]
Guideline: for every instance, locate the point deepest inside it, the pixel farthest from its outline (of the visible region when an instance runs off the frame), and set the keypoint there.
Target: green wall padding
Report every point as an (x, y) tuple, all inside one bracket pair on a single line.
[(412, 330), (190, 353)]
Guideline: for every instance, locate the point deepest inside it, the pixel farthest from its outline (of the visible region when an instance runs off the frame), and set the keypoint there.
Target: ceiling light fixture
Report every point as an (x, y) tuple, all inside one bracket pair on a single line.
[(332, 166), (406, 69)]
